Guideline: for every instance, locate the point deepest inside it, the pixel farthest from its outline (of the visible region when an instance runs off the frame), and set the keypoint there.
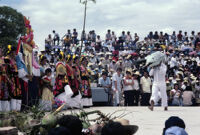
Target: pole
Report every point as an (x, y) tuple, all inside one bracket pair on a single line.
[(83, 27)]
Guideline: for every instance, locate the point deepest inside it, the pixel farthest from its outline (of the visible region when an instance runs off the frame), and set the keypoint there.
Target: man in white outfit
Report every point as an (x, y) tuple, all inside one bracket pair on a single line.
[(117, 87), (159, 84)]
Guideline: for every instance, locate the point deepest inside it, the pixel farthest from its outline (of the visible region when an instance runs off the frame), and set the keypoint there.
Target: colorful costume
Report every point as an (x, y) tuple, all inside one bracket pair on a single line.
[(4, 94), (61, 82), (47, 94), (75, 100), (14, 84), (85, 87), (61, 78)]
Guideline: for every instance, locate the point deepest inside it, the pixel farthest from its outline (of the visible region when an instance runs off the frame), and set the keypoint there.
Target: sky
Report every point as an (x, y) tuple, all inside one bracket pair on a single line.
[(136, 16)]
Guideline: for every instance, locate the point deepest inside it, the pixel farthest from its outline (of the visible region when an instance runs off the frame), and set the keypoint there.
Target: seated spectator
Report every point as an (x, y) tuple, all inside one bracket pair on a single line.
[(175, 95), (59, 131), (174, 126), (188, 96), (105, 82), (197, 89), (119, 128), (71, 122)]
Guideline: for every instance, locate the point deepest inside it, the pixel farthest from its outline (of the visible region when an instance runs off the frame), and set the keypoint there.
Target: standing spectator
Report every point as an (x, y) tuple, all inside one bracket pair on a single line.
[(108, 36), (128, 37), (48, 42), (146, 86), (188, 96), (69, 34), (156, 36), (75, 36), (98, 46), (180, 36), (173, 37), (123, 36), (128, 89), (136, 87), (94, 36), (56, 38), (67, 41), (83, 36), (117, 87), (113, 37)]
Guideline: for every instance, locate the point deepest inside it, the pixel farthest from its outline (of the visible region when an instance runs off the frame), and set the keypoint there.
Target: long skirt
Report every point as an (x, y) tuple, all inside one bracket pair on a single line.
[(47, 100)]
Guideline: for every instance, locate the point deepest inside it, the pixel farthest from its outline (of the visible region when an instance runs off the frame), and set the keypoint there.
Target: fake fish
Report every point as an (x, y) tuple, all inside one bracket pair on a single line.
[(155, 59)]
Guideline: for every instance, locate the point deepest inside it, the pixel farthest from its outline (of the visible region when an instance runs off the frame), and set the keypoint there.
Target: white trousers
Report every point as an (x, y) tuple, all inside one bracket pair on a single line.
[(5, 106), (155, 93), (117, 98), (15, 104)]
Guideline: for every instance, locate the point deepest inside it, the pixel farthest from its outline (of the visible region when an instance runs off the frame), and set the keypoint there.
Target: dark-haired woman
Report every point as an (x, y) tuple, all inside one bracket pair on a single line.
[(85, 84), (13, 80), (188, 96), (75, 100), (4, 94), (61, 80)]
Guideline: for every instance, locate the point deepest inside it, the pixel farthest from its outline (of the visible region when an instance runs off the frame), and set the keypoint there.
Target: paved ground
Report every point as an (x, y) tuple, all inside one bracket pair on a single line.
[(152, 123)]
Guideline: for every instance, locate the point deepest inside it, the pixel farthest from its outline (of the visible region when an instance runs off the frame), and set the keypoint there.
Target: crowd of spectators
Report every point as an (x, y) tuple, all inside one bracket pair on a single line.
[(114, 63)]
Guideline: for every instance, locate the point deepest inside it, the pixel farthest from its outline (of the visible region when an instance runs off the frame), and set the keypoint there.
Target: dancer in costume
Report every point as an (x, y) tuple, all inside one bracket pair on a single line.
[(75, 100), (24, 77), (61, 79), (85, 84), (4, 94), (14, 83)]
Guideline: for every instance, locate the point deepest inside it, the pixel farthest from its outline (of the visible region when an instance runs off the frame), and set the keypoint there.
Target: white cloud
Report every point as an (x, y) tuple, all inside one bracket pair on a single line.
[(139, 16)]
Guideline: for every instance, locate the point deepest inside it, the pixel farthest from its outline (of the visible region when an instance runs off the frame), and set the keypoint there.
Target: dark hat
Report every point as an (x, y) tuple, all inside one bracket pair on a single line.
[(174, 121), (116, 128)]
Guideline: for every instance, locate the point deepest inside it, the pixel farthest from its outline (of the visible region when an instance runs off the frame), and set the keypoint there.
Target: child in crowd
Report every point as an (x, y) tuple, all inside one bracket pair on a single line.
[(47, 94)]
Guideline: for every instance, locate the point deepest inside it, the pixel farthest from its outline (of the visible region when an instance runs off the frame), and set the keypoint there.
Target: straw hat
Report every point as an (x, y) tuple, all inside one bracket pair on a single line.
[(129, 129), (137, 73)]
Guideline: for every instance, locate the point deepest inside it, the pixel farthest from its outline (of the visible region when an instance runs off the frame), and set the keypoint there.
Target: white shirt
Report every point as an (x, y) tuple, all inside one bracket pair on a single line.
[(146, 84), (118, 79), (136, 85), (128, 87), (173, 62), (158, 74), (187, 97)]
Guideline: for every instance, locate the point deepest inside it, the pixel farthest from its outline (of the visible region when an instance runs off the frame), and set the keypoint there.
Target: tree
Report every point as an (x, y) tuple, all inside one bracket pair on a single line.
[(11, 26)]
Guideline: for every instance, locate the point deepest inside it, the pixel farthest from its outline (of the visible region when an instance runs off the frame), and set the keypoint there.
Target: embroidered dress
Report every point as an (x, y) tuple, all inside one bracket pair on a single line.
[(4, 94), (14, 86), (47, 94), (75, 99), (61, 82), (85, 87)]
